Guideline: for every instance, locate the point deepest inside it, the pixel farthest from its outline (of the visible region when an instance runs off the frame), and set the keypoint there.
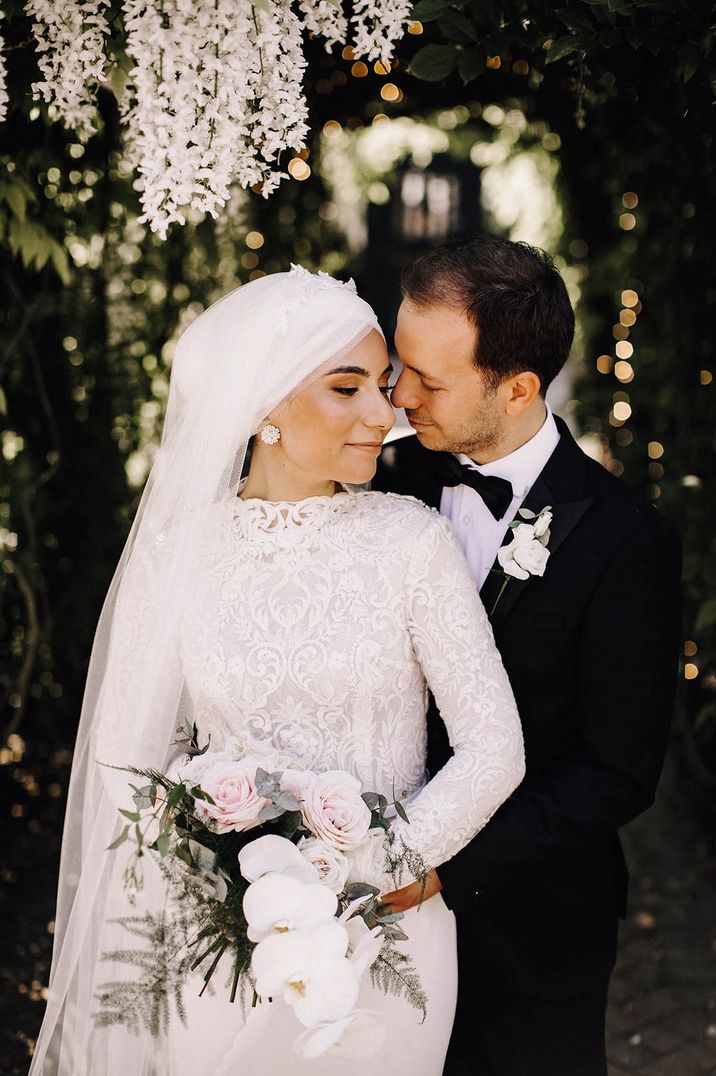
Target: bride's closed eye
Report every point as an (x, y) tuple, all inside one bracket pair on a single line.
[(346, 391)]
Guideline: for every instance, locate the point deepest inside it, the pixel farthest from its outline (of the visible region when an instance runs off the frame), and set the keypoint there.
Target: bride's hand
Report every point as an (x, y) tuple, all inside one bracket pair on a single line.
[(415, 893)]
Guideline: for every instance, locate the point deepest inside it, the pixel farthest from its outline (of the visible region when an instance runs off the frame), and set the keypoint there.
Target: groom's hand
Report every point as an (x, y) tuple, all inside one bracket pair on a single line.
[(415, 893)]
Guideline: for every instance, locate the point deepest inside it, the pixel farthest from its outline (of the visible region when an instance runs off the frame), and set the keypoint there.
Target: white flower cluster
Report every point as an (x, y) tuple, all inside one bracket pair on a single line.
[(214, 96), (3, 80), (527, 553), (304, 953), (215, 93), (70, 54), (377, 25), (325, 18)]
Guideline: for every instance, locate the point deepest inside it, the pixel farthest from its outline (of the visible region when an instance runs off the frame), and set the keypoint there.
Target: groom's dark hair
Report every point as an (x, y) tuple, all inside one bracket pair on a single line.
[(511, 292)]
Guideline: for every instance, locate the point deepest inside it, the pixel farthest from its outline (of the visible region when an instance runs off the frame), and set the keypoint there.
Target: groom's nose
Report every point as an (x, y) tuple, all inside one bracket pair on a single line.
[(402, 395)]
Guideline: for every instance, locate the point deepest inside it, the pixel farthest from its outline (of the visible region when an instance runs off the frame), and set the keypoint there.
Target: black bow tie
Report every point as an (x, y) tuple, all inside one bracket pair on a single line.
[(495, 492)]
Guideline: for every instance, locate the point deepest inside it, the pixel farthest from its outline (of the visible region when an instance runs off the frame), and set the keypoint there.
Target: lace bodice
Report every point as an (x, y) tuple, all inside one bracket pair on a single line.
[(317, 629)]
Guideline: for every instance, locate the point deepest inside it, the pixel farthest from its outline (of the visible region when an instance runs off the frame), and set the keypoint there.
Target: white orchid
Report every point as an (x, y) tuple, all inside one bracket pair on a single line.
[(272, 854), (310, 971), (358, 1036), (279, 903), (365, 944)]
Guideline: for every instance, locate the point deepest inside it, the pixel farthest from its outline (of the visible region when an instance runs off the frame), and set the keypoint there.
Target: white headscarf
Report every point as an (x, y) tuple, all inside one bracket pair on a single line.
[(240, 359)]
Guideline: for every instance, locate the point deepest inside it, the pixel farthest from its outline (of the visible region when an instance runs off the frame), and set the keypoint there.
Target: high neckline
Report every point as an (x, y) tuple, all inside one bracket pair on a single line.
[(275, 517)]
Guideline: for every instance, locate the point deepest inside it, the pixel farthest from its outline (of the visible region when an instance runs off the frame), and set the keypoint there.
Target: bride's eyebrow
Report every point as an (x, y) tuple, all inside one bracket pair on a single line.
[(358, 370)]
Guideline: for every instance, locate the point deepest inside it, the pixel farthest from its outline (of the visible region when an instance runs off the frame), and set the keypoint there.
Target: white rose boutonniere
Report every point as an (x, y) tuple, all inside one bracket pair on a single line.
[(527, 553)]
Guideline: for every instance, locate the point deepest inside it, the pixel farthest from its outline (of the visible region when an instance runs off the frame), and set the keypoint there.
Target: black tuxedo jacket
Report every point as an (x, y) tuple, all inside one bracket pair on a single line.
[(591, 651)]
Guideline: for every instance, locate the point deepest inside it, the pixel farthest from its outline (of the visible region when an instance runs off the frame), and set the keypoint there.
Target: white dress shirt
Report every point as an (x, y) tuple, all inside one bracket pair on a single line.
[(478, 533)]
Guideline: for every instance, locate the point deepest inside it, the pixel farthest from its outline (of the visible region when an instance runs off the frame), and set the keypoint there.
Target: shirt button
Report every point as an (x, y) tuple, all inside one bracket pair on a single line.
[(466, 520)]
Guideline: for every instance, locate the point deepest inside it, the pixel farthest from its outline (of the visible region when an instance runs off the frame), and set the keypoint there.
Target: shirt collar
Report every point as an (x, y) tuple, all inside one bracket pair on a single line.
[(522, 467)]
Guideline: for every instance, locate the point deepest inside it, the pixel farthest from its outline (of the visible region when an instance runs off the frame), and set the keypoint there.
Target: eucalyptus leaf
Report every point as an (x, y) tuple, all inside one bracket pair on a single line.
[(526, 513), (198, 793), (183, 853), (400, 810), (120, 839), (370, 799), (286, 800), (163, 844), (360, 889), (392, 917), (269, 812)]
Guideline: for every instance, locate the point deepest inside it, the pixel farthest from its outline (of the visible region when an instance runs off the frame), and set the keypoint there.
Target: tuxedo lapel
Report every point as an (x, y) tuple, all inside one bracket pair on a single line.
[(406, 467), (430, 485), (555, 487)]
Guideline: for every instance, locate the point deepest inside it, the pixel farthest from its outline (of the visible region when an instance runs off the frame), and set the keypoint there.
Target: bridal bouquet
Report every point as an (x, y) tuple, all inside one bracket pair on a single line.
[(271, 863)]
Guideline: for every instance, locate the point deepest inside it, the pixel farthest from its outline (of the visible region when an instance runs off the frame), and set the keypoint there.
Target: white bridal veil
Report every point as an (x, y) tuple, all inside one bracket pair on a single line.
[(236, 363)]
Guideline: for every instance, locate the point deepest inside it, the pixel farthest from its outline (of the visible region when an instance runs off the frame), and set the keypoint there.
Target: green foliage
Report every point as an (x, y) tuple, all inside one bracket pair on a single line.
[(144, 1002), (24, 236), (393, 973), (544, 34)]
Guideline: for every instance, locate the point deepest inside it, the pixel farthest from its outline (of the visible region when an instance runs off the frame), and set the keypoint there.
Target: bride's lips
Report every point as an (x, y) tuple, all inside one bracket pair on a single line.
[(367, 446)]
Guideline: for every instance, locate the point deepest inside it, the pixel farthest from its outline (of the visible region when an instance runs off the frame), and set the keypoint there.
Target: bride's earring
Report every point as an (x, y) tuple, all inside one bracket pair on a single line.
[(270, 434)]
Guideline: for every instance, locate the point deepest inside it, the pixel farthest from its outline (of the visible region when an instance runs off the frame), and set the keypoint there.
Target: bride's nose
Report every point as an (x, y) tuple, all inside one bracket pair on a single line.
[(380, 414)]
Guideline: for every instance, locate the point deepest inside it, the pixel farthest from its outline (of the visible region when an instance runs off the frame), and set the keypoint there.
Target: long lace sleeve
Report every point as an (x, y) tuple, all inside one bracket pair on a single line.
[(453, 641)]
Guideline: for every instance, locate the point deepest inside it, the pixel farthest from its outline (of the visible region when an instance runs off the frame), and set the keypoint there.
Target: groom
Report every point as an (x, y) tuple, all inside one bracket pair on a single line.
[(590, 646)]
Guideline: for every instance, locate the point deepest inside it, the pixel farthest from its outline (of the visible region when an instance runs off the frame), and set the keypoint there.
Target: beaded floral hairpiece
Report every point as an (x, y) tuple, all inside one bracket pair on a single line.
[(304, 285)]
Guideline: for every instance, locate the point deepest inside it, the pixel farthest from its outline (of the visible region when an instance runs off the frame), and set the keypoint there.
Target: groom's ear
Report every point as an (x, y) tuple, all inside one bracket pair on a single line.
[(519, 392)]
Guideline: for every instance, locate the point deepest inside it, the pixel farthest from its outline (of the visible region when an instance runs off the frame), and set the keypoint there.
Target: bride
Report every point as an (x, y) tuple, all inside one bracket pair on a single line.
[(292, 611)]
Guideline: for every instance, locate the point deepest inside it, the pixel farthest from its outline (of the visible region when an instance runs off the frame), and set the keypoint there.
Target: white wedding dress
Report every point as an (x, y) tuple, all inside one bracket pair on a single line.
[(317, 630)]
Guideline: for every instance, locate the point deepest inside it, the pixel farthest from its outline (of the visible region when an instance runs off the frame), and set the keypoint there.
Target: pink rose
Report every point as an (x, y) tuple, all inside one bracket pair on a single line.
[(334, 810), (232, 786)]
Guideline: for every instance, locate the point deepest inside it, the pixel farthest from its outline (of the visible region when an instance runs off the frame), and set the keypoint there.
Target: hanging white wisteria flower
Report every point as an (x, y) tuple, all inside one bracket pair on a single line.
[(213, 95), (325, 18), (279, 106), (70, 36), (377, 25), (3, 78)]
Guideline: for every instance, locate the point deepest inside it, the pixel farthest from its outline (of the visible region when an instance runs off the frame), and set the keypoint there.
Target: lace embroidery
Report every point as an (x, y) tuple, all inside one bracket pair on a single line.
[(256, 516), (318, 626)]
